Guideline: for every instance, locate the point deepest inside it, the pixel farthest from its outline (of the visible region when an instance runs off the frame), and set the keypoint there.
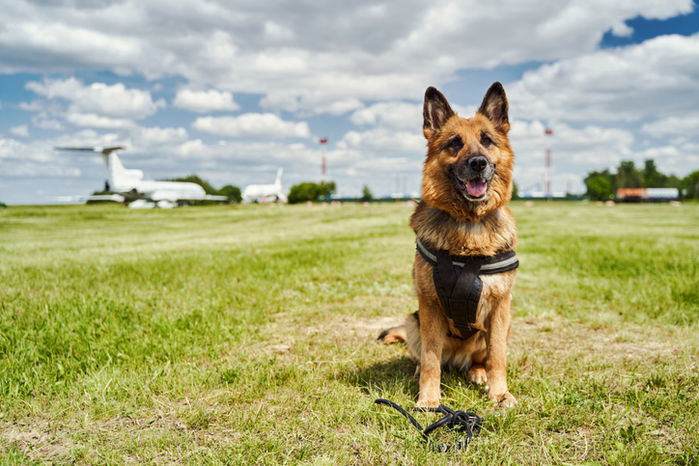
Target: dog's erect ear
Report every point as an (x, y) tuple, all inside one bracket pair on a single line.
[(436, 112), (494, 107)]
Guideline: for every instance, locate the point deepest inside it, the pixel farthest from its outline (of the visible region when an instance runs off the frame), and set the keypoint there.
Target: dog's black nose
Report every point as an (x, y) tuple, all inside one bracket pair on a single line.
[(477, 163)]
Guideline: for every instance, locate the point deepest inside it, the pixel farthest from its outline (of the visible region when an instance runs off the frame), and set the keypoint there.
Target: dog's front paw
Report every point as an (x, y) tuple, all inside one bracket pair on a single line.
[(504, 400), (427, 403)]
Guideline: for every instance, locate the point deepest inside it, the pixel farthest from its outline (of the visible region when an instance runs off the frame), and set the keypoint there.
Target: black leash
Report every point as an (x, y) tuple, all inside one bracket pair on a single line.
[(459, 421)]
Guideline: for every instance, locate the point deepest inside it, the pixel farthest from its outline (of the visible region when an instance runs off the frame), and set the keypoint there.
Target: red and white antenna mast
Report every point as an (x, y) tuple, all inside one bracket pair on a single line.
[(549, 171), (323, 142)]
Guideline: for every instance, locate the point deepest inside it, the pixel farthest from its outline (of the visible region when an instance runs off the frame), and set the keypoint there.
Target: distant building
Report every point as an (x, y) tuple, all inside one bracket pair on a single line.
[(647, 194)]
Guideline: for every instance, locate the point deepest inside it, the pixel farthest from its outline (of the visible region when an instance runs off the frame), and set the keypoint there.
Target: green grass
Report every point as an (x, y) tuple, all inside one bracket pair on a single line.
[(247, 335)]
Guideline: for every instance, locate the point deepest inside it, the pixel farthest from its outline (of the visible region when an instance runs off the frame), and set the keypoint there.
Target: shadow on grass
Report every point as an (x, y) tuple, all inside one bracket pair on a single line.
[(395, 376)]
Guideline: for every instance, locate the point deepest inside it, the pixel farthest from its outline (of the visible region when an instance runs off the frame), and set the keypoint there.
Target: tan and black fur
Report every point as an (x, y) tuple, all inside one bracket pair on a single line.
[(450, 218)]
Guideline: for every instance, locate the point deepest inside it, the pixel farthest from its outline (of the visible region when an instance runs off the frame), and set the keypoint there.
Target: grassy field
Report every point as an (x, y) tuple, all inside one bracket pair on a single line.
[(247, 335)]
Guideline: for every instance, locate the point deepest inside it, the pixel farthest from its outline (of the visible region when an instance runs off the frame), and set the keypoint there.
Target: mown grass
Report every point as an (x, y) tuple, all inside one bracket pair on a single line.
[(246, 335)]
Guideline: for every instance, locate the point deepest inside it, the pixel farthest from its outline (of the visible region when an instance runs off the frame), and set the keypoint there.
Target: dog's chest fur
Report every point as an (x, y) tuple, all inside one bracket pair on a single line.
[(494, 233)]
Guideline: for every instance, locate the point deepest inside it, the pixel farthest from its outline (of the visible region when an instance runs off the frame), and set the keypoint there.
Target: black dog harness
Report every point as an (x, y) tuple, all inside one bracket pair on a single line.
[(457, 283)]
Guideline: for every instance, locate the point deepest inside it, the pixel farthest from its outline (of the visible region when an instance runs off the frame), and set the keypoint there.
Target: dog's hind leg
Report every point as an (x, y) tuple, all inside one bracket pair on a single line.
[(477, 373)]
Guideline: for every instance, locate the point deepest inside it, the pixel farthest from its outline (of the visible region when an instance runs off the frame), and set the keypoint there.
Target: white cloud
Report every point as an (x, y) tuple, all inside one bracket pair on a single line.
[(277, 32), (252, 125), (205, 101), (43, 121), (682, 126), (157, 135), (92, 120), (27, 159), (21, 131), (371, 64), (114, 101), (654, 78), (385, 140), (387, 50), (621, 29), (394, 114), (310, 104)]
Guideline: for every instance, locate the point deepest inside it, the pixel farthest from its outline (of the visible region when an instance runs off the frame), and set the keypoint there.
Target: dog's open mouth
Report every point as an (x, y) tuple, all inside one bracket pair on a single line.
[(476, 187)]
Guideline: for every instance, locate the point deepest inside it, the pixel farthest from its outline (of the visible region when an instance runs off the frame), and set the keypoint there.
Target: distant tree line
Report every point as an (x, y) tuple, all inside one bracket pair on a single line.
[(602, 185), (308, 191)]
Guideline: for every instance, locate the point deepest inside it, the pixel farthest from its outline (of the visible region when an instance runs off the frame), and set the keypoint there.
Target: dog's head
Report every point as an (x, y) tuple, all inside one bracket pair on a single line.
[(468, 169)]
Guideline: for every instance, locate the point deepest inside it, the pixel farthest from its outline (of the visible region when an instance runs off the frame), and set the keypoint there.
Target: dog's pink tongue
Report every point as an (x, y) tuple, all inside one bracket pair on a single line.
[(477, 187)]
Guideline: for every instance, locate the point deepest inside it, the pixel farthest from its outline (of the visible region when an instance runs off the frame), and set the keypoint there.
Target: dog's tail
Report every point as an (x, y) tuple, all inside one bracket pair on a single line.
[(398, 334)]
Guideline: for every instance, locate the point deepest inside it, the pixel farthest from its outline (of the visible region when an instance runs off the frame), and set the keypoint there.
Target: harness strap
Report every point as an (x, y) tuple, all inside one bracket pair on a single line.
[(457, 283), (489, 264)]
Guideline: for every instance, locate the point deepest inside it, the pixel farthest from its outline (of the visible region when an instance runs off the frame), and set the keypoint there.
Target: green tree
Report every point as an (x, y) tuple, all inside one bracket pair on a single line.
[(515, 191), (366, 194), (652, 178), (690, 184), (303, 192), (309, 191), (231, 192), (627, 175), (599, 187), (325, 190)]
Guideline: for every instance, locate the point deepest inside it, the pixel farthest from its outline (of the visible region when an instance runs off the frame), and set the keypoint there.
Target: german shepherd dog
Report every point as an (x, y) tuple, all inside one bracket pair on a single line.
[(467, 182)]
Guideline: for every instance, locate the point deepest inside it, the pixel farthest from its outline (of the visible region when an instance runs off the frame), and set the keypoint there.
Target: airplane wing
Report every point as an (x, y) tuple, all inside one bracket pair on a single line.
[(174, 196), (95, 197), (211, 197)]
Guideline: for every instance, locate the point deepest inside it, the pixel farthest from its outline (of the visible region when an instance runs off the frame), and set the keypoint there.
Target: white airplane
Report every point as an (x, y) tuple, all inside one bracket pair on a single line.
[(128, 185), (265, 192)]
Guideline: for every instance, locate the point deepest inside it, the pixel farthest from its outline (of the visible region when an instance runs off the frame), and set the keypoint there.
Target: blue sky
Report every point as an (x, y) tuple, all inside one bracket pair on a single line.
[(233, 90)]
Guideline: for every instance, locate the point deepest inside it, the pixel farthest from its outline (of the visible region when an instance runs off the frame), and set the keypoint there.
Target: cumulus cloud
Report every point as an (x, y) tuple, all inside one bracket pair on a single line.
[(384, 140), (372, 66), (654, 78), (205, 101), (114, 101), (252, 125), (92, 120), (20, 130), (394, 114), (384, 50), (673, 126), (157, 135)]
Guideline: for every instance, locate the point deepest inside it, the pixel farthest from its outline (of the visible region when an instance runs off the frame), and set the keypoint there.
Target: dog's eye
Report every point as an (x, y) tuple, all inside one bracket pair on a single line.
[(485, 140), (455, 144)]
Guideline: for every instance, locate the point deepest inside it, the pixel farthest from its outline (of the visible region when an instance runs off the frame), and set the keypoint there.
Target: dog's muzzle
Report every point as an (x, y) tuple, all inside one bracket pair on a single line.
[(472, 176)]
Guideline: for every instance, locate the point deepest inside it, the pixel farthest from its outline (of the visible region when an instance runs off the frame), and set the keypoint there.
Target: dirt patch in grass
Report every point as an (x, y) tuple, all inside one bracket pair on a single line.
[(611, 344), (37, 439), (171, 424), (368, 327), (565, 338)]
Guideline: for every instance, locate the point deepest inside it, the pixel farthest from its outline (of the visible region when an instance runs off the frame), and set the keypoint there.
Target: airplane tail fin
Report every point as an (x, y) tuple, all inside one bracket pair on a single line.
[(278, 181), (120, 178)]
